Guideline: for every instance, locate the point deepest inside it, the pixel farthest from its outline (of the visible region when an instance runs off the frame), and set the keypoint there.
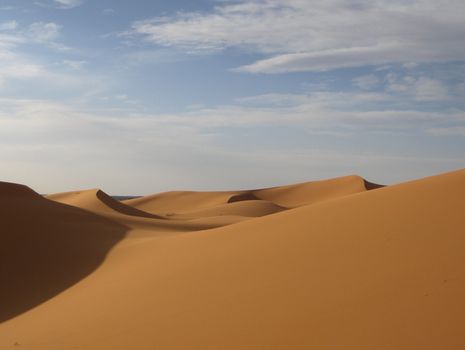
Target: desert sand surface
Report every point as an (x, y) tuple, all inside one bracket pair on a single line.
[(334, 264)]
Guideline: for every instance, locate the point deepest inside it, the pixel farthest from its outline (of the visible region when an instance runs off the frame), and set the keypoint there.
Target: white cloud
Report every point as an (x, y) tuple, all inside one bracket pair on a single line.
[(14, 63), (8, 25), (73, 64), (21, 70), (318, 111), (323, 110), (366, 82), (68, 3), (71, 147), (43, 32), (422, 89), (427, 89), (311, 35), (59, 4)]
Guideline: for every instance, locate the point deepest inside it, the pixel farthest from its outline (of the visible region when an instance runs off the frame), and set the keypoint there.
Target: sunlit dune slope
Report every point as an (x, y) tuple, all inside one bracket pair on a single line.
[(291, 196), (46, 247), (97, 201), (179, 201), (250, 208), (381, 269)]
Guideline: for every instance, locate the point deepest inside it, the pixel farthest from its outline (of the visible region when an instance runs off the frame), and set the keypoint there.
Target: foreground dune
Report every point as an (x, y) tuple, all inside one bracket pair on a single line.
[(45, 247), (339, 269)]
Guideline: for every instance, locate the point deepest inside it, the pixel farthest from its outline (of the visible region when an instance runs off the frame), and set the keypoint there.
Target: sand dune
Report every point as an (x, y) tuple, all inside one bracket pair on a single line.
[(250, 208), (182, 202), (97, 201), (46, 247), (344, 268), (293, 196)]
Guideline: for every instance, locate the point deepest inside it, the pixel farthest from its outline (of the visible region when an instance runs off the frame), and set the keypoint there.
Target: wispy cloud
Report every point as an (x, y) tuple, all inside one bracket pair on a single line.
[(43, 32), (423, 89), (18, 66), (108, 11), (73, 64), (14, 63), (69, 3), (448, 131), (159, 147), (60, 4), (366, 82), (8, 25), (302, 35)]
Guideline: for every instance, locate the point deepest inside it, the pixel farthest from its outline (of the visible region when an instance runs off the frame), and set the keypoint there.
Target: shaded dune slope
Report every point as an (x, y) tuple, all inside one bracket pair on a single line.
[(45, 247), (380, 269)]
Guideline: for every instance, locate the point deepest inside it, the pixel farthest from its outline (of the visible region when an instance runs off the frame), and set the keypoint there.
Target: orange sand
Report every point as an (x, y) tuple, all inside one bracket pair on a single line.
[(318, 265)]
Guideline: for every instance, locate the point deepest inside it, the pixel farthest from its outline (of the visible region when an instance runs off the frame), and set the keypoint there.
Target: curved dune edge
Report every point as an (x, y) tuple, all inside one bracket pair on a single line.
[(46, 247), (97, 201), (285, 197), (373, 270), (246, 209)]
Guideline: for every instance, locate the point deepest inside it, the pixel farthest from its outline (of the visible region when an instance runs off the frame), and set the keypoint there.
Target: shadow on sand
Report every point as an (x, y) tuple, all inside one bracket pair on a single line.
[(46, 247)]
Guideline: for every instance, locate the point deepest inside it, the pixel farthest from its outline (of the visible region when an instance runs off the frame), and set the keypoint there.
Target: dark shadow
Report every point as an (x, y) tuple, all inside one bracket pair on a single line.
[(372, 186), (124, 198), (123, 208), (46, 247), (246, 196)]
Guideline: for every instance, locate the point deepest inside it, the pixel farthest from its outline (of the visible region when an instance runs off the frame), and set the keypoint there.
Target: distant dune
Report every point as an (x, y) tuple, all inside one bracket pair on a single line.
[(335, 264)]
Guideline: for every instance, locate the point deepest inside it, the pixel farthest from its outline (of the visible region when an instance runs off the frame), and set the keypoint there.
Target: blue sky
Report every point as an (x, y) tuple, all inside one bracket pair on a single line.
[(145, 96)]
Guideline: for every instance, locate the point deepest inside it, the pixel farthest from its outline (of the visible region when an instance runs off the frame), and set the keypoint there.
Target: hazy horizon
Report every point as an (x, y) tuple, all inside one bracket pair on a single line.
[(142, 97)]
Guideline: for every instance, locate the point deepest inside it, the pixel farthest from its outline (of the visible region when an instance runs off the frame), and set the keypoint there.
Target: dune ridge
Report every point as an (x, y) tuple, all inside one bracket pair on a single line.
[(339, 269), (96, 200), (285, 197), (45, 247)]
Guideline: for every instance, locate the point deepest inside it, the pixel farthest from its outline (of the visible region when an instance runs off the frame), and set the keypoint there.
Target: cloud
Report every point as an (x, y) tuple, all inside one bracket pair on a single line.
[(14, 63), (57, 146), (108, 12), (8, 25), (422, 89), (60, 4), (29, 75), (366, 82), (427, 89), (73, 64), (311, 35), (20, 70), (43, 32), (67, 4), (448, 131)]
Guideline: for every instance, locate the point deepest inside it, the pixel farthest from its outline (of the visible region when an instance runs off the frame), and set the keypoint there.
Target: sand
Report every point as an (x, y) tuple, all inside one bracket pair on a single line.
[(336, 264)]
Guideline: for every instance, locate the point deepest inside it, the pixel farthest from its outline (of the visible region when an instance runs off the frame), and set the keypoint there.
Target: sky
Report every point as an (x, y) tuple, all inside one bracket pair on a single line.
[(137, 97)]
